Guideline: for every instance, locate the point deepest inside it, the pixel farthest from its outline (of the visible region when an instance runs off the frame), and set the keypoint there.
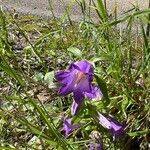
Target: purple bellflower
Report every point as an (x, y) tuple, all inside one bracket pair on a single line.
[(116, 128), (78, 80), (68, 127)]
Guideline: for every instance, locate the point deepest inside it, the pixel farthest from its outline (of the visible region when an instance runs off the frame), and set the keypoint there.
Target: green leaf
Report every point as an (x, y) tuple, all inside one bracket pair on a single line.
[(102, 84), (38, 77), (37, 131), (135, 14), (75, 51), (124, 104), (11, 71), (102, 10), (7, 148), (102, 57), (52, 129), (33, 128), (49, 77), (139, 133)]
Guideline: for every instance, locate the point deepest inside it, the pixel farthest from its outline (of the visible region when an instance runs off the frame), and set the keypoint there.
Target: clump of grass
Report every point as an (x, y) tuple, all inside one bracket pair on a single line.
[(30, 113)]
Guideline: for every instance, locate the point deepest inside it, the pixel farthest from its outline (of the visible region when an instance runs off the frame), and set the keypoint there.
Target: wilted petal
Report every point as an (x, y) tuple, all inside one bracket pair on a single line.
[(95, 93), (116, 128), (95, 144)]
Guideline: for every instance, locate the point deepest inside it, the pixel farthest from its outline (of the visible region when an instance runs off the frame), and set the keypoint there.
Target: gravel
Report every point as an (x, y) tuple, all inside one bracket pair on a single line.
[(41, 8)]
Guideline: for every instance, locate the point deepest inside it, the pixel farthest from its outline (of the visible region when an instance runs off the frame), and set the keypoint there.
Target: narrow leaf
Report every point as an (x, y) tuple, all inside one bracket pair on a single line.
[(75, 51), (102, 10), (102, 84)]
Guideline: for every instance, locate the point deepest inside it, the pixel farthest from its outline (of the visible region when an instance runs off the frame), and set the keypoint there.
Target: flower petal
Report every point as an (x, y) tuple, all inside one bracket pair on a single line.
[(75, 107), (95, 93), (66, 89), (76, 79), (68, 127), (96, 146), (85, 66), (95, 141), (117, 133), (104, 121), (63, 76), (83, 85), (116, 128), (78, 96), (68, 81)]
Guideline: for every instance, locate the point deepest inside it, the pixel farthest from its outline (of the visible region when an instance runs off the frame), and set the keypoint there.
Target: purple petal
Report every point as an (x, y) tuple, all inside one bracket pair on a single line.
[(79, 90), (95, 93), (96, 146), (76, 106), (116, 128), (92, 147), (83, 84), (78, 95), (68, 127), (75, 79), (68, 81), (104, 121), (66, 89), (85, 66), (95, 141), (63, 76)]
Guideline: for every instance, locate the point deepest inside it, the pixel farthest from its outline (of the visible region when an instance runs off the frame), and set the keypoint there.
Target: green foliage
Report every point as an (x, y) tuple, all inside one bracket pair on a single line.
[(31, 113), (75, 51), (102, 10)]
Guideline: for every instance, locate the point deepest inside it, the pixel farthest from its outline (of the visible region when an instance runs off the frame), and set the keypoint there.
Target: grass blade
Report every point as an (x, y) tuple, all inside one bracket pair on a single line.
[(102, 10)]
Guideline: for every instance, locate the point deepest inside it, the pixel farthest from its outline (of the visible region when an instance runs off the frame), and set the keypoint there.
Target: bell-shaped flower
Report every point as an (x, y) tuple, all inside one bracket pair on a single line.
[(78, 80), (116, 128), (68, 127)]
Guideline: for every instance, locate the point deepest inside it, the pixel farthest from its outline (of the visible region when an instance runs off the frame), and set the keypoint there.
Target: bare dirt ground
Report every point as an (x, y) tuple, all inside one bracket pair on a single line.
[(41, 7)]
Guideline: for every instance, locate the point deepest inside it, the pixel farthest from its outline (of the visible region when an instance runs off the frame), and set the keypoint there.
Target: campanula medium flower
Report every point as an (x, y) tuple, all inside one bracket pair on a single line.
[(68, 127), (78, 80), (116, 128)]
